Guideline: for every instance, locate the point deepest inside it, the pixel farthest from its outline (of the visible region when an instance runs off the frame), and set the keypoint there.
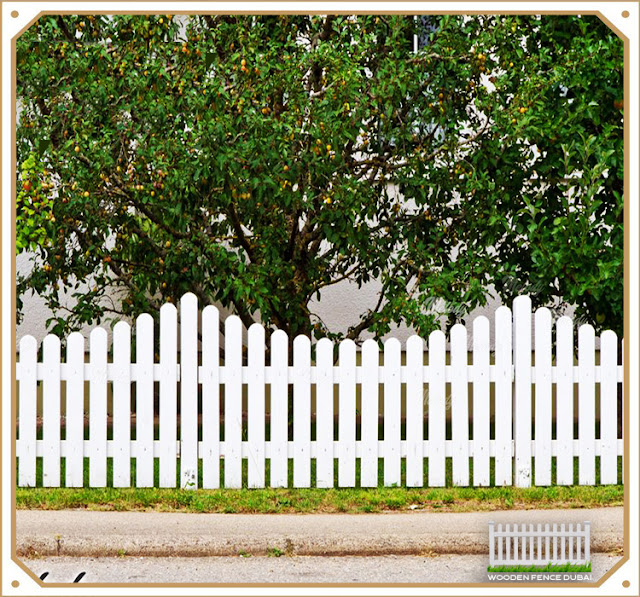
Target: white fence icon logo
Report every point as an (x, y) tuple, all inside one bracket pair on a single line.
[(522, 545)]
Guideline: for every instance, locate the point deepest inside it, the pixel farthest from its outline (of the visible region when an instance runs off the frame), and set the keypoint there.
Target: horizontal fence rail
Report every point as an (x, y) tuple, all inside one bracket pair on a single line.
[(187, 417), (524, 545)]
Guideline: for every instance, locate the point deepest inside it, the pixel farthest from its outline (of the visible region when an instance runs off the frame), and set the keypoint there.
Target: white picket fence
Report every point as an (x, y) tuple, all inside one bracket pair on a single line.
[(513, 546), (437, 391)]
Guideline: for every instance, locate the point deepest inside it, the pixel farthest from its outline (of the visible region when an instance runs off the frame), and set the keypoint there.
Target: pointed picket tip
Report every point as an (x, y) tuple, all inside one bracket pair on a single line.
[(543, 312), (189, 299), (458, 331), (415, 341), (144, 319), (564, 322), (586, 332), (437, 336), (324, 344), (522, 302), (256, 331), (232, 322), (481, 323), (51, 341), (121, 327), (281, 336), (346, 349), (168, 308), (301, 340), (211, 311), (28, 343), (392, 344), (370, 344), (503, 312)]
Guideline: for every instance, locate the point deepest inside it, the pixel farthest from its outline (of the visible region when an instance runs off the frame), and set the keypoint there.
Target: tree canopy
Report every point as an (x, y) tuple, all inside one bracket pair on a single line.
[(256, 160)]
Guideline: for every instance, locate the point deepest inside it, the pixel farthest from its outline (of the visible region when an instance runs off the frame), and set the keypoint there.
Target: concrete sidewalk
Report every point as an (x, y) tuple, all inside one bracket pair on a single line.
[(86, 533)]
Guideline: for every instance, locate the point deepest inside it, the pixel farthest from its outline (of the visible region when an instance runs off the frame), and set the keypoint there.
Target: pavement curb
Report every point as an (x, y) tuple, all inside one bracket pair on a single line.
[(109, 534)]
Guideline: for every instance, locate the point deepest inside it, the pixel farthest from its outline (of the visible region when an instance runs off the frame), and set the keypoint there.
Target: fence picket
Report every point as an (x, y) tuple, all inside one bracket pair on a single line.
[(233, 402), (392, 411), (168, 395), (210, 397), (415, 412), (503, 399), (564, 401), (370, 413), (256, 406), (481, 402), (189, 391), (543, 397), (608, 408), (121, 404), (522, 389), (301, 412), (437, 408), (459, 405), (586, 406), (512, 429), (28, 379), (347, 414), (324, 413), (51, 412), (98, 408), (279, 408), (144, 400), (74, 459)]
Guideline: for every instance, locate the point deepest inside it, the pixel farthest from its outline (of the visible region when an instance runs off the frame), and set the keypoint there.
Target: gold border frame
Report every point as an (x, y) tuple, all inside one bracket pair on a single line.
[(626, 223)]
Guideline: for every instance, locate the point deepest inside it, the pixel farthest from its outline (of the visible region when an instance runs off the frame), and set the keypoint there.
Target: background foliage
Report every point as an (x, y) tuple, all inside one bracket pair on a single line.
[(257, 160)]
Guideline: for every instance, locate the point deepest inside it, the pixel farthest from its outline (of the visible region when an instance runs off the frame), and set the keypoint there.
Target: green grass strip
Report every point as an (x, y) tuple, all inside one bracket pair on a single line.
[(550, 567), (298, 500)]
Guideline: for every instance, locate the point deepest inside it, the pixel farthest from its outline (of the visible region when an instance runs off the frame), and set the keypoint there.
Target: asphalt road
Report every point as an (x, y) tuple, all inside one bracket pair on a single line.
[(174, 534), (278, 570)]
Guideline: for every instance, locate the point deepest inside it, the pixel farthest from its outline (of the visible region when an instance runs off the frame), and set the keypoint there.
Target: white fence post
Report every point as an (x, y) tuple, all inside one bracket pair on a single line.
[(608, 408), (168, 395), (437, 408), (347, 414), (543, 397), (459, 405), (301, 412), (586, 406), (481, 402), (121, 404), (504, 398), (564, 401), (370, 413), (233, 402), (74, 460), (324, 414), (28, 378), (189, 391), (144, 401), (415, 412), (279, 408), (392, 380), (522, 389), (256, 407), (210, 380), (51, 412), (98, 408)]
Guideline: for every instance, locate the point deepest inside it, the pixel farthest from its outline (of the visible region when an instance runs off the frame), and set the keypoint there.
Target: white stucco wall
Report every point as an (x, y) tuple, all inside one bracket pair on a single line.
[(339, 307)]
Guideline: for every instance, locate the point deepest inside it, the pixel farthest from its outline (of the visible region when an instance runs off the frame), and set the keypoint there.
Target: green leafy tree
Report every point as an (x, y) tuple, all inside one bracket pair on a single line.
[(256, 160)]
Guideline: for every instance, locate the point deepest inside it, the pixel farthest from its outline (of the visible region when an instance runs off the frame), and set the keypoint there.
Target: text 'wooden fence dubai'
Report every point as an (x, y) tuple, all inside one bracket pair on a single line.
[(434, 420)]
